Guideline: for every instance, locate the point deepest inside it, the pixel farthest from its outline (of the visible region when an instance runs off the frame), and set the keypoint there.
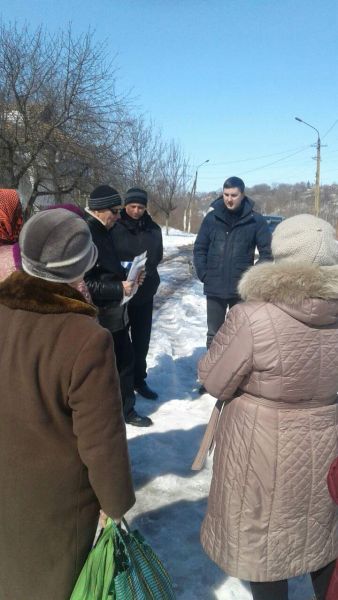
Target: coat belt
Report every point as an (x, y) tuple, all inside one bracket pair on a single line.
[(208, 441)]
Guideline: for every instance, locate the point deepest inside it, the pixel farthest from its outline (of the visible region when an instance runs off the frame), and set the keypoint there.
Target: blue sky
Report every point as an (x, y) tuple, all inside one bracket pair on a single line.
[(224, 77)]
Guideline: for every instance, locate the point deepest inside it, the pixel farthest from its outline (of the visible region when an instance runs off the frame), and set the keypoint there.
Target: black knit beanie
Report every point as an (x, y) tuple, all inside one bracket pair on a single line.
[(104, 196), (137, 196)]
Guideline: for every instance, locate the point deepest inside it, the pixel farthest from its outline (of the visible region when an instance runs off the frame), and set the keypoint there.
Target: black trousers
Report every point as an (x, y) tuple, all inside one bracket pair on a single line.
[(125, 366), (216, 311), (140, 322), (278, 590)]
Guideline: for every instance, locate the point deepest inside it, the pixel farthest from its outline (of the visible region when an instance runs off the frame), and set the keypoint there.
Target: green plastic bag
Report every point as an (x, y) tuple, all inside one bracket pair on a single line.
[(94, 581), (139, 573), (122, 566)]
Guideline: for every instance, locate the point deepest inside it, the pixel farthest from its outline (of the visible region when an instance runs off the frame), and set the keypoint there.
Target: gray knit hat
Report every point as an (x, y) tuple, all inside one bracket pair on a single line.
[(57, 245), (103, 197), (305, 238)]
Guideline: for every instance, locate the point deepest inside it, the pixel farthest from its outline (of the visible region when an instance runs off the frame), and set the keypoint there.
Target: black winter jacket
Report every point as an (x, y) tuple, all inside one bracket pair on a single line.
[(225, 248), (132, 237), (104, 279)]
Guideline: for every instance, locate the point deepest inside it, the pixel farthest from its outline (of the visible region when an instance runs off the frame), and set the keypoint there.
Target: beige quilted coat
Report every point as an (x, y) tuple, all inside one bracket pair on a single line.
[(274, 363)]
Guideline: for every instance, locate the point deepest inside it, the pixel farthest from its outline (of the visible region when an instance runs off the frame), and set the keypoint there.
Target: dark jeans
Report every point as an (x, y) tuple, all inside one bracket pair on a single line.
[(140, 322), (278, 590), (125, 366), (216, 311)]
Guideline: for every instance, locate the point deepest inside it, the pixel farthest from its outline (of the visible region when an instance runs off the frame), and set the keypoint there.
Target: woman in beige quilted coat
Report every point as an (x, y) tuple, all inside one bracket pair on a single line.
[(273, 366)]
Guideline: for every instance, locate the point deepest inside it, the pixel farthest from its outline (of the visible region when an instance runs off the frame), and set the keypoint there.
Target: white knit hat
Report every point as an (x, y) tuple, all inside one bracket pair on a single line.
[(305, 238)]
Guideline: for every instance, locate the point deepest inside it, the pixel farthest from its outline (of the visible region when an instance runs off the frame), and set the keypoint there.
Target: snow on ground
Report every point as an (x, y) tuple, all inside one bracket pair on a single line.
[(171, 499), (176, 239)]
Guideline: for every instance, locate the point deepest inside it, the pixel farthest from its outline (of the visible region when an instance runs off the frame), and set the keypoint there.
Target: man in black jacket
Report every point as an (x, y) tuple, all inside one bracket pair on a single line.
[(134, 233), (225, 248), (107, 284)]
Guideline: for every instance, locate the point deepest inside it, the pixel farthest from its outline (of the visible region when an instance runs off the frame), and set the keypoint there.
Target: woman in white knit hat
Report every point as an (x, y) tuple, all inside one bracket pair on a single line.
[(63, 449), (273, 366)]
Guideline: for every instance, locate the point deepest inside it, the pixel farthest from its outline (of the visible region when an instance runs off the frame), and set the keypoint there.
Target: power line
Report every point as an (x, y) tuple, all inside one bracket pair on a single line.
[(330, 129), (230, 162), (284, 158), (297, 162), (275, 161)]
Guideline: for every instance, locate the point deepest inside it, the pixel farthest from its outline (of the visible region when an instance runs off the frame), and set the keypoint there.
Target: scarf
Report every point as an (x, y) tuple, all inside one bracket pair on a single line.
[(11, 219)]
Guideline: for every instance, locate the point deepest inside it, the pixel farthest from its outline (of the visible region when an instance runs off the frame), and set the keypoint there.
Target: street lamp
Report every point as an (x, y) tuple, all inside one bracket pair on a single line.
[(193, 189), (187, 212), (317, 185)]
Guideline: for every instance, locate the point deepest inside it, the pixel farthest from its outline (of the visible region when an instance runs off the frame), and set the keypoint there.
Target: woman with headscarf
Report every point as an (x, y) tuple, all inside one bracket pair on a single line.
[(11, 222), (273, 366), (63, 449)]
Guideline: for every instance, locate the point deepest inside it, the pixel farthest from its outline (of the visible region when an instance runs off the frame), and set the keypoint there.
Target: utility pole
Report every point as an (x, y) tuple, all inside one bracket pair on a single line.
[(317, 184), (192, 197), (317, 188), (187, 212)]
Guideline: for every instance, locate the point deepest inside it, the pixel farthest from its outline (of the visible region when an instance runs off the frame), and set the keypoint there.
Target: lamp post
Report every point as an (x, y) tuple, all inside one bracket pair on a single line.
[(317, 184), (187, 212)]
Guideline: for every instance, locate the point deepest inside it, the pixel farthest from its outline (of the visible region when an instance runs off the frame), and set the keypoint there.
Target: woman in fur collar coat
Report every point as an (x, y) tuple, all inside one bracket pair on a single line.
[(273, 366), (11, 222), (63, 450)]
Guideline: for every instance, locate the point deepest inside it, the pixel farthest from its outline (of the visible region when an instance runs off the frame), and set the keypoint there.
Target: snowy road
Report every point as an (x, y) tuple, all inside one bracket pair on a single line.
[(176, 270), (171, 499)]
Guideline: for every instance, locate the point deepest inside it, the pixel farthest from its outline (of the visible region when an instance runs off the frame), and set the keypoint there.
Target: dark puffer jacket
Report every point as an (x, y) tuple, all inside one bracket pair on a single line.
[(225, 248), (131, 237), (104, 279)]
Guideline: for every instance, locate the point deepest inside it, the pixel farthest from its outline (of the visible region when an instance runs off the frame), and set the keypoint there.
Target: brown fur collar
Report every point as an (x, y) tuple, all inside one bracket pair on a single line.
[(289, 282), (21, 291)]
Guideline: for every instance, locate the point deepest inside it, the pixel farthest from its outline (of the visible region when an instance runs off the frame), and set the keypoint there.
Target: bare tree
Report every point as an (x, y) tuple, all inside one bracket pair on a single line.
[(171, 181), (145, 148), (61, 121)]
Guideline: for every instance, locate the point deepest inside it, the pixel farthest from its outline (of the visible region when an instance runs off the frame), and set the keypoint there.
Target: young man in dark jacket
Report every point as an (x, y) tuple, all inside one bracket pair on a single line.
[(107, 284), (134, 233), (225, 248)]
